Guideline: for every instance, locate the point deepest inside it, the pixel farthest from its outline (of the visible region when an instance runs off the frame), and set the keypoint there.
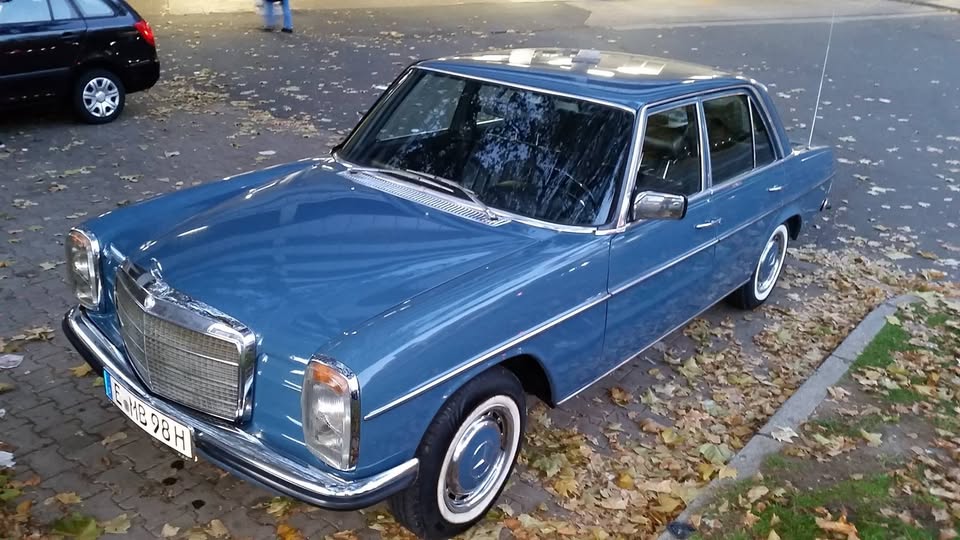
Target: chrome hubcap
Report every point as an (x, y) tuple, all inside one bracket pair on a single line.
[(101, 97), (478, 459), (771, 262)]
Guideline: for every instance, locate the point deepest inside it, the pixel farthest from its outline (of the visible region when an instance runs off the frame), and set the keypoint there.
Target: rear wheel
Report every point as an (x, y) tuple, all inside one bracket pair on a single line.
[(766, 273), (466, 457), (98, 96)]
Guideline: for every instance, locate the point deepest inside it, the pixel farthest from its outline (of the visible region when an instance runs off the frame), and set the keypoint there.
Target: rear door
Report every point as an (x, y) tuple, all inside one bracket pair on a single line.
[(40, 41), (746, 184)]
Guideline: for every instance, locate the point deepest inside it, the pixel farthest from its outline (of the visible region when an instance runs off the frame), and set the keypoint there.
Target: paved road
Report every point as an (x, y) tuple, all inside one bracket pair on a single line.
[(888, 105)]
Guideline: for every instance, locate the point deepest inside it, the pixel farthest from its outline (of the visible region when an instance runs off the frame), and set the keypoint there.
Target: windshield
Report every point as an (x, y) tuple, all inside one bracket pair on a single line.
[(533, 154)]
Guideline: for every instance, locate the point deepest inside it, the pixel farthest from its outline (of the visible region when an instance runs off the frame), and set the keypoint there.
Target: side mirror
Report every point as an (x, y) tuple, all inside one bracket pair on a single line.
[(656, 205)]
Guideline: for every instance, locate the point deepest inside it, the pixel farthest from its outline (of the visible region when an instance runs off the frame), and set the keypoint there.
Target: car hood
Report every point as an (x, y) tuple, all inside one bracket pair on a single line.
[(313, 254)]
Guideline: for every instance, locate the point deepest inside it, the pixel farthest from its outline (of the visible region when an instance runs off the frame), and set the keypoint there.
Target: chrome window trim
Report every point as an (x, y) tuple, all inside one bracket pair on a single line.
[(354, 384), (179, 309), (623, 219), (486, 355), (541, 90), (749, 88)]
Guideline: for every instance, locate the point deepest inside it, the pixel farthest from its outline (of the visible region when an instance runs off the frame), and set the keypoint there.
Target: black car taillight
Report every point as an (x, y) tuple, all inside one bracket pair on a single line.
[(146, 32)]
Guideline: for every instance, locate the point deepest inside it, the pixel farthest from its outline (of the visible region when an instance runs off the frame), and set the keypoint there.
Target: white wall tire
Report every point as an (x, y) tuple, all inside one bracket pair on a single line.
[(466, 457), (766, 271)]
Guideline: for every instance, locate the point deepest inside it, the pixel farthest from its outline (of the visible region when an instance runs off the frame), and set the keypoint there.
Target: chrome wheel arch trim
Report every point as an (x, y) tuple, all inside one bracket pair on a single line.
[(487, 355)]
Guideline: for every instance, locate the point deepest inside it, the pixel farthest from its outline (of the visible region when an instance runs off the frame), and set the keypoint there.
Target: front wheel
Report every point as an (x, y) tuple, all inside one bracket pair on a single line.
[(766, 273), (98, 96), (466, 457)]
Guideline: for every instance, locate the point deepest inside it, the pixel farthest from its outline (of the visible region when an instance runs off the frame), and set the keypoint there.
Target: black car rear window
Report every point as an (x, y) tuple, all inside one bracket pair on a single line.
[(95, 8)]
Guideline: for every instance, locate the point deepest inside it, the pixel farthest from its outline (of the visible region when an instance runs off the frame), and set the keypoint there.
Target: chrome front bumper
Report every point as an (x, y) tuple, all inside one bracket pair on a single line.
[(234, 449)]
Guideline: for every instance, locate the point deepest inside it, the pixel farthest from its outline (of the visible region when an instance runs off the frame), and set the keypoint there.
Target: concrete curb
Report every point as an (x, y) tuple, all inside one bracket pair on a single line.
[(797, 409)]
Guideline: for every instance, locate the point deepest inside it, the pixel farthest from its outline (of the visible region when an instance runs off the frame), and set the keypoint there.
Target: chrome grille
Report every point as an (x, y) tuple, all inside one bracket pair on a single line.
[(188, 366)]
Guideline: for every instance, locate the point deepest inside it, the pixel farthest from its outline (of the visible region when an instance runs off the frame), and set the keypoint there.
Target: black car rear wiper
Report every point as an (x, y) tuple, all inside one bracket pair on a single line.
[(435, 181)]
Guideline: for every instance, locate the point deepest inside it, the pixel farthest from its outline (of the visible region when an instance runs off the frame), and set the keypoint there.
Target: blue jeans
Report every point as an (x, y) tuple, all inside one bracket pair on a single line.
[(287, 17)]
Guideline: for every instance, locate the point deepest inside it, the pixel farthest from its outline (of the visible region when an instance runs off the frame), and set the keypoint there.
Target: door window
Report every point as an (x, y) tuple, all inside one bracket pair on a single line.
[(24, 11), (62, 10), (730, 136), (95, 8), (670, 159), (761, 138)]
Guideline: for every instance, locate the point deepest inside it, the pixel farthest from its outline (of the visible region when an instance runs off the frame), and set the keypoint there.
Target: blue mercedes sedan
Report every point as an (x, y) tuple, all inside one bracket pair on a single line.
[(369, 324)]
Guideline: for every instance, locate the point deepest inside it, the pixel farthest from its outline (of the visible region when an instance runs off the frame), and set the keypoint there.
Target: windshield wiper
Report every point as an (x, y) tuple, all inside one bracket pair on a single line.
[(435, 181)]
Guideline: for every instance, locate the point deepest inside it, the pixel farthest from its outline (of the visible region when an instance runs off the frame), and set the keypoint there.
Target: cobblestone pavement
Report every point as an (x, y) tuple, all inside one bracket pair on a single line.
[(56, 173)]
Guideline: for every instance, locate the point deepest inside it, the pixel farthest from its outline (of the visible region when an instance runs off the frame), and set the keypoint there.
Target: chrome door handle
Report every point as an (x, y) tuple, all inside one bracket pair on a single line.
[(774, 189), (708, 224)]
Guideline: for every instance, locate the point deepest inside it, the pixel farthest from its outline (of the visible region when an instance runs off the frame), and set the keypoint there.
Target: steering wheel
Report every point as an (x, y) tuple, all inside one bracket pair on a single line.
[(584, 200)]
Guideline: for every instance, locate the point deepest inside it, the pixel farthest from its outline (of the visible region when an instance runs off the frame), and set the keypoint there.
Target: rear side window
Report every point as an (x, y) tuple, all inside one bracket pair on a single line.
[(730, 135), (24, 11), (95, 8), (761, 138), (670, 160), (62, 10)]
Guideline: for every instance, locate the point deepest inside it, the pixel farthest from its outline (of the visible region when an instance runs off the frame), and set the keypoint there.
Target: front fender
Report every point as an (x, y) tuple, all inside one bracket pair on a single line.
[(546, 300)]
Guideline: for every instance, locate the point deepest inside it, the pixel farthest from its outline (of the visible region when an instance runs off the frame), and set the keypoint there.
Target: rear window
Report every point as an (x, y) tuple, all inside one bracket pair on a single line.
[(95, 8), (24, 11)]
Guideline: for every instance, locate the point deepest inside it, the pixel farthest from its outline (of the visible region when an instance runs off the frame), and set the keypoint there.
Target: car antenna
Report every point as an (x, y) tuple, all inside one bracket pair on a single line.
[(826, 55)]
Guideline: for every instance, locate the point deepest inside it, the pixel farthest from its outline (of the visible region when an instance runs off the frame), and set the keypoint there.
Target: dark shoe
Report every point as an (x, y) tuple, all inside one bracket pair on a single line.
[(287, 30)]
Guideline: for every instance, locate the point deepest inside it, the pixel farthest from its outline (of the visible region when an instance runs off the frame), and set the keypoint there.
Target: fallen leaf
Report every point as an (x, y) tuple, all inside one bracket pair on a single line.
[(756, 492), (82, 370), (117, 525), (873, 439), (69, 497), (169, 531), (784, 434), (840, 526), (217, 529), (118, 436), (77, 526)]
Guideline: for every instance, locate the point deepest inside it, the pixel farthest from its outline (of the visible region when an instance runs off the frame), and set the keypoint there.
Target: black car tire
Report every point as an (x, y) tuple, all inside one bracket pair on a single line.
[(765, 273), (495, 401), (105, 108)]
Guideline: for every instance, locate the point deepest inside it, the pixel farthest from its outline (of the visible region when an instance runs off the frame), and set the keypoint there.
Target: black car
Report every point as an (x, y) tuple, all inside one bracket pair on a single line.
[(90, 52)]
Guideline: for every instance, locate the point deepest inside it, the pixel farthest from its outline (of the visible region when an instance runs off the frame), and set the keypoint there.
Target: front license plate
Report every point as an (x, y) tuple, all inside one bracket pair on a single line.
[(160, 426)]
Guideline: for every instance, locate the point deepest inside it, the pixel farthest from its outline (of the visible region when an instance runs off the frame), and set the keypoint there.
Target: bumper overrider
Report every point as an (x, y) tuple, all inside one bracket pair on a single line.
[(235, 450)]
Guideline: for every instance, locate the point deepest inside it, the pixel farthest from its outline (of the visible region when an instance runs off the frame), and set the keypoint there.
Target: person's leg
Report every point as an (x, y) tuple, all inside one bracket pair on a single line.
[(268, 14), (287, 16)]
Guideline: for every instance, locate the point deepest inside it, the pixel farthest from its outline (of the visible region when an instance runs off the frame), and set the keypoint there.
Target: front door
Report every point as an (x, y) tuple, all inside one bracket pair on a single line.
[(40, 41), (746, 186), (660, 270)]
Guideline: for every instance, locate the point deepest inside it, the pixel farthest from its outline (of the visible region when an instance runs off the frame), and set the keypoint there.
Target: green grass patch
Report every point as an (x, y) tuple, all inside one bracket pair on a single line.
[(796, 513), (850, 427), (903, 395), (879, 353)]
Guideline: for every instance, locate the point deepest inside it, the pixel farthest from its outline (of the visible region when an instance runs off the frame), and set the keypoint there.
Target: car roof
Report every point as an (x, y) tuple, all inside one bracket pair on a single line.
[(627, 80)]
